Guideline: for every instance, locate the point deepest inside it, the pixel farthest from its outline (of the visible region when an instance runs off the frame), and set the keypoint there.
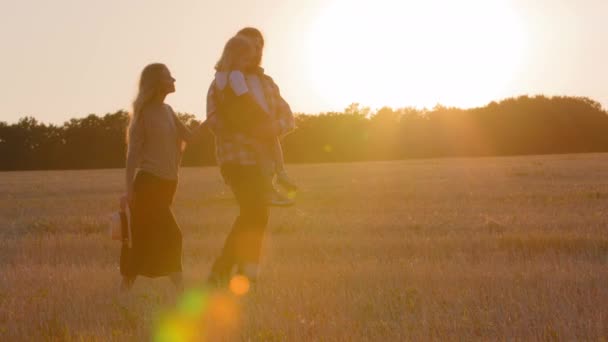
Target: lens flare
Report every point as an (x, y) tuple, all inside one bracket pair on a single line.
[(193, 303), (176, 329), (239, 285), (223, 312), (202, 315)]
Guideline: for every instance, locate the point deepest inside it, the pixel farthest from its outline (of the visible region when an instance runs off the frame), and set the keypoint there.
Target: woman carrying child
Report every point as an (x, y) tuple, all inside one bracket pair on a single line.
[(247, 115)]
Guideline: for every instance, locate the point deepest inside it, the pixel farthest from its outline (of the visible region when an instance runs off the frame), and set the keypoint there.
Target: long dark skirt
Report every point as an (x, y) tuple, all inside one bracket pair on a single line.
[(156, 238)]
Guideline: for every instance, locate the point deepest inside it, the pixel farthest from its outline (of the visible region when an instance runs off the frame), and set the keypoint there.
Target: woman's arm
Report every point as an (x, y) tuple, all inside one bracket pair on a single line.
[(197, 132), (285, 121), (134, 150), (186, 134), (183, 132), (212, 120)]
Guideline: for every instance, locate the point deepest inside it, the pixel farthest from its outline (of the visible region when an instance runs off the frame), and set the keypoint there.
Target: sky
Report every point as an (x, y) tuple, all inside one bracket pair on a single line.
[(62, 59)]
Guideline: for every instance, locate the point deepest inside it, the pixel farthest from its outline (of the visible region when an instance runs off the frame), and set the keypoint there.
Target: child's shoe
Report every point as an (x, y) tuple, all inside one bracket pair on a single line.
[(277, 199), (286, 182)]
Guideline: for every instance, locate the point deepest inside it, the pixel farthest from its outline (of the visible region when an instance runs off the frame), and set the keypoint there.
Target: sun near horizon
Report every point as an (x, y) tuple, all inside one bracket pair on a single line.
[(389, 53)]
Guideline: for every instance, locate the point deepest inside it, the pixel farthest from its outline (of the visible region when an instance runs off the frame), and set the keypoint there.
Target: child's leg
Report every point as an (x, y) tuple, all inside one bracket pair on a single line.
[(279, 167), (266, 158), (277, 154)]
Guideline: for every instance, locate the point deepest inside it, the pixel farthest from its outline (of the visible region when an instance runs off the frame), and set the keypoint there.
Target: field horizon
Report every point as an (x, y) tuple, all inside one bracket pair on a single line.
[(582, 155), (483, 248)]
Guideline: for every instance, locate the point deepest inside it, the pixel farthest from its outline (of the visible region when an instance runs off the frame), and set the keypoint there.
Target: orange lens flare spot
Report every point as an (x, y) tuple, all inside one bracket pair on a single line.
[(239, 285), (223, 312)]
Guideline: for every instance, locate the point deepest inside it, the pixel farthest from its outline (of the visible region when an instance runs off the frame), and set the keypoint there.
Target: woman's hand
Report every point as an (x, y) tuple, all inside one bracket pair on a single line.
[(127, 199), (123, 203)]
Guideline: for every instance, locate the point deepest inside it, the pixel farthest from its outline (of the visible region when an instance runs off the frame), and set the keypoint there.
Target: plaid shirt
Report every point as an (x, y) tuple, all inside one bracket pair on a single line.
[(236, 148)]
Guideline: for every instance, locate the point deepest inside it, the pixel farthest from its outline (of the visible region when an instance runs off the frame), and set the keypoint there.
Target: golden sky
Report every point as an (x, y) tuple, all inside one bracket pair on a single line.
[(67, 58)]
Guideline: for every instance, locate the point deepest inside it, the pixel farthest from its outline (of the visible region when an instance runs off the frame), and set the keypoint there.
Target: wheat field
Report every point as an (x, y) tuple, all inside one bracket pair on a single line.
[(512, 248)]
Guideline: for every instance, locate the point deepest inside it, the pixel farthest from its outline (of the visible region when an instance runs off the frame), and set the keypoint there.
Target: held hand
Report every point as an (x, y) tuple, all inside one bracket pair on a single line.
[(127, 199), (202, 127), (198, 131), (123, 202)]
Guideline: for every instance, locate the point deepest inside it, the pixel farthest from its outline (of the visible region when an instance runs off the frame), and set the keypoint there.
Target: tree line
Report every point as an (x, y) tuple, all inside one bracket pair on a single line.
[(514, 126)]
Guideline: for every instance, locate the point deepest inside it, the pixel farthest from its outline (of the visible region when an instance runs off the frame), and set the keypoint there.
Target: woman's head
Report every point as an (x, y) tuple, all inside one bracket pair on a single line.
[(237, 55), (257, 40), (155, 82)]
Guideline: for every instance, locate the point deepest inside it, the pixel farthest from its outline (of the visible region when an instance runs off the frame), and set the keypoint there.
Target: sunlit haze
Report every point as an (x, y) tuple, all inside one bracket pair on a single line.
[(63, 59)]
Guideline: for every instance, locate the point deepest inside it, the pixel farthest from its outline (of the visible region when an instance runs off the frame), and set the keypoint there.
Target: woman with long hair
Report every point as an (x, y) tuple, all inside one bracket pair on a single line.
[(155, 142)]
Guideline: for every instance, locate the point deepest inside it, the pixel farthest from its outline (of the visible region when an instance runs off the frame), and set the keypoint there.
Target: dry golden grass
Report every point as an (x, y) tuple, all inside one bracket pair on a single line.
[(454, 249)]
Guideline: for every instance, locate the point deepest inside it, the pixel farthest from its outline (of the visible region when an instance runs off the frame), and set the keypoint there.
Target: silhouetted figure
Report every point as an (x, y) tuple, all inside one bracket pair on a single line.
[(155, 140), (238, 153)]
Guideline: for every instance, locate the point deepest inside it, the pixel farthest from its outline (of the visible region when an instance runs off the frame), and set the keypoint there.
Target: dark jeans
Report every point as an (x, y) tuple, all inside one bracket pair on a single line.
[(244, 243)]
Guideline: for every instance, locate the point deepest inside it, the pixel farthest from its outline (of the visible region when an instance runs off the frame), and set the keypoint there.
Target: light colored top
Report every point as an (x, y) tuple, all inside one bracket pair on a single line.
[(242, 84), (257, 90), (155, 144)]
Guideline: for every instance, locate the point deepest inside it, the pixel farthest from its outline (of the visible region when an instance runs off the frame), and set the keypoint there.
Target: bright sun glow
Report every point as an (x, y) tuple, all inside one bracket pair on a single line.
[(397, 53)]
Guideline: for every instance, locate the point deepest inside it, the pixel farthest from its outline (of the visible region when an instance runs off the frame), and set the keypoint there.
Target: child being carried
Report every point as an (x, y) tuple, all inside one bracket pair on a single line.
[(242, 109)]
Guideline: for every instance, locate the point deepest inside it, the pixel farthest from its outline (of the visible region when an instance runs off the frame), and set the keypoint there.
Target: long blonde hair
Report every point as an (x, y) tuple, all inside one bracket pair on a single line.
[(149, 83), (234, 49)]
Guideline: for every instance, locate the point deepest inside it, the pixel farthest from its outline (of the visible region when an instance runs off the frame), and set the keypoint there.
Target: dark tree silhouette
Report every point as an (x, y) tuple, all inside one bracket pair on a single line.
[(515, 126)]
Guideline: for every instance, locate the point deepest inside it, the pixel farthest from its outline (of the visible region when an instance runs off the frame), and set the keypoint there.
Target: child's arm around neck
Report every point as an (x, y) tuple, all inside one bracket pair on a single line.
[(234, 78)]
